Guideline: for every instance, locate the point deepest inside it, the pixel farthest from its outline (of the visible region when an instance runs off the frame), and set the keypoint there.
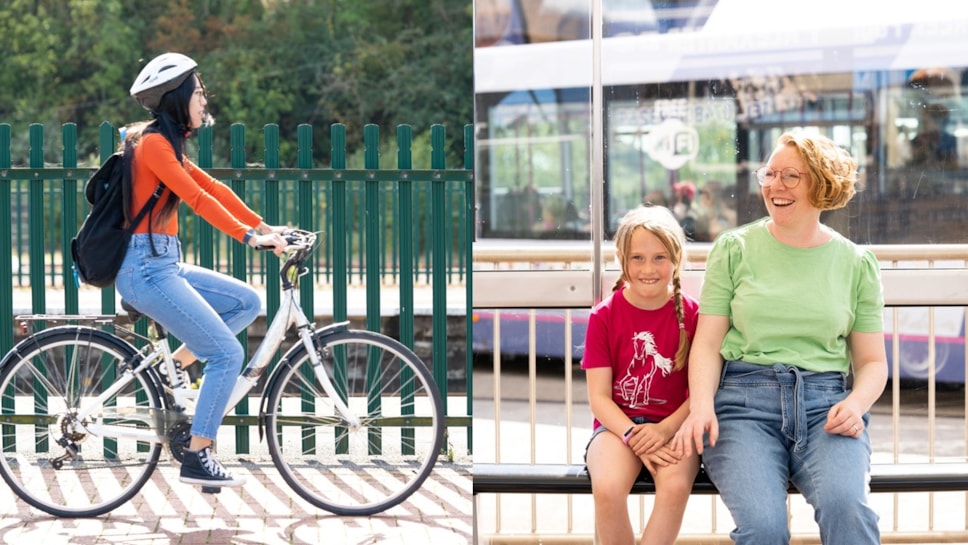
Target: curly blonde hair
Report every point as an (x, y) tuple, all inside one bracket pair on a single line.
[(831, 168), (661, 222)]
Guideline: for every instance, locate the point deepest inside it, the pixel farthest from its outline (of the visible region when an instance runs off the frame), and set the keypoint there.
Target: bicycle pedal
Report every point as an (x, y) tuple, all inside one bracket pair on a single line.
[(211, 489)]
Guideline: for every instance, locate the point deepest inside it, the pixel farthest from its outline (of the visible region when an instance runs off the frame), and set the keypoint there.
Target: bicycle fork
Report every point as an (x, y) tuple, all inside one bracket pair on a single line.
[(308, 340)]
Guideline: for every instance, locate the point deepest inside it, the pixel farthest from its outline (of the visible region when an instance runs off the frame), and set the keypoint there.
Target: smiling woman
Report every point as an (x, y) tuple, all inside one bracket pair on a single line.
[(768, 382)]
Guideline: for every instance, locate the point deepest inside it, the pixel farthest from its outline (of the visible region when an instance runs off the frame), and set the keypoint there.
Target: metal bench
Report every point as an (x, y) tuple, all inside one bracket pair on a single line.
[(573, 479)]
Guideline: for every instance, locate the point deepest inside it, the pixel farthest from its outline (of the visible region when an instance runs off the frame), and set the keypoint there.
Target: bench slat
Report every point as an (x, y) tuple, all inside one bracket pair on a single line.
[(572, 479)]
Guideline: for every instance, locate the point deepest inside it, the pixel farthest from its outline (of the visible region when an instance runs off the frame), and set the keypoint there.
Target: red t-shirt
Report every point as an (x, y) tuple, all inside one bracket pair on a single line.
[(640, 346)]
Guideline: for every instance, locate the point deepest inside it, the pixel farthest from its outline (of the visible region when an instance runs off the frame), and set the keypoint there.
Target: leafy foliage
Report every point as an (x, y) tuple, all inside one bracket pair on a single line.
[(270, 61)]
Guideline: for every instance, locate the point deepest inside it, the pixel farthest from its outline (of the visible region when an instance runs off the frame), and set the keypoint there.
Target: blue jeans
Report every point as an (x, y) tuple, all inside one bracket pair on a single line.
[(770, 432), (203, 308)]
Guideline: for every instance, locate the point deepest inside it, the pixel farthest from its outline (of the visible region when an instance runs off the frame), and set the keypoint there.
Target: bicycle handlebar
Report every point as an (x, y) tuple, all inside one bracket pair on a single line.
[(297, 239), (300, 243)]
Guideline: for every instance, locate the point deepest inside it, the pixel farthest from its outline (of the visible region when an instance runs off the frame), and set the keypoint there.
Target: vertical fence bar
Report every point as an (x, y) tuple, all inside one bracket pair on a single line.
[(204, 232), (438, 255), (392, 234), (270, 215), (20, 215), (7, 435), (337, 200), (470, 221), (404, 229), (35, 234), (106, 147), (426, 211), (372, 239), (35, 226), (305, 210), (306, 207), (239, 253), (69, 223), (373, 242)]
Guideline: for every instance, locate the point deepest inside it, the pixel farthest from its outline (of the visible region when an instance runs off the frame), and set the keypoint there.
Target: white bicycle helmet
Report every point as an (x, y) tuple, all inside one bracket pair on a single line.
[(164, 73)]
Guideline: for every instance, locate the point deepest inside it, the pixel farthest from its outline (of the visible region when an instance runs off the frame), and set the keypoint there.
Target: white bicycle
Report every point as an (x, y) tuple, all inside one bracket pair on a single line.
[(352, 419)]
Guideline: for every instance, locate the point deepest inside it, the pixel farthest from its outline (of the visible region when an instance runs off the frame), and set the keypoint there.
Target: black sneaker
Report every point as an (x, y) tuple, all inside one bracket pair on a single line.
[(201, 467)]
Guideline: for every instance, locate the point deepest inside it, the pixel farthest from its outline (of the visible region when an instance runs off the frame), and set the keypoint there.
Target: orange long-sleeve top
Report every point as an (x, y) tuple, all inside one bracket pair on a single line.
[(154, 161)]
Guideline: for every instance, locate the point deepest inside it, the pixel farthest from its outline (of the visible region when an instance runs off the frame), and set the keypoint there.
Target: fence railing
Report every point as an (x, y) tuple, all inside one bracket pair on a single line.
[(270, 187), (532, 406), (404, 228)]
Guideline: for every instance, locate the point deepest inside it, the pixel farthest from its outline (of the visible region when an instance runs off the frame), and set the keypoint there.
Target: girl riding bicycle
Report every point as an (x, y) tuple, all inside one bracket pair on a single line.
[(204, 309)]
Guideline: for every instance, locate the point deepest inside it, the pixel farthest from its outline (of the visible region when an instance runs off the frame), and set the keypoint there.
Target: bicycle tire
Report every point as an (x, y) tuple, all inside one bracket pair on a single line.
[(43, 381), (366, 469)]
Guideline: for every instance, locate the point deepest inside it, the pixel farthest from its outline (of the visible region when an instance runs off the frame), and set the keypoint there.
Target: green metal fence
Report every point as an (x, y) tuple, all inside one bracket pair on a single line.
[(402, 227)]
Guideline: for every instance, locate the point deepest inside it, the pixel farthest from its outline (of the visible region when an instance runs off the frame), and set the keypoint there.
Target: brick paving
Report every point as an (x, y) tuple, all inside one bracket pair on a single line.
[(264, 511)]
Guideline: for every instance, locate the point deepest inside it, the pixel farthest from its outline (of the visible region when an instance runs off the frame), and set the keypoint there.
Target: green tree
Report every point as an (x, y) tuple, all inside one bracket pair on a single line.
[(269, 61)]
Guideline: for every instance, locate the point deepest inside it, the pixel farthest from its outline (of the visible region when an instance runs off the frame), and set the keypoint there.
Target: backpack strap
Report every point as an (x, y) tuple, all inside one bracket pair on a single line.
[(146, 209)]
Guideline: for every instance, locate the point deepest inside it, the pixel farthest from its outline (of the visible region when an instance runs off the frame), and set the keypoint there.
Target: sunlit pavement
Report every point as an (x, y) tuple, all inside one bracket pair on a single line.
[(264, 511)]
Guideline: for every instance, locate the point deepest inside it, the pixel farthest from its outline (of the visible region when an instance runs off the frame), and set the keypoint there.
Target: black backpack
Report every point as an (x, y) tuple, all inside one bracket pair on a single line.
[(100, 245)]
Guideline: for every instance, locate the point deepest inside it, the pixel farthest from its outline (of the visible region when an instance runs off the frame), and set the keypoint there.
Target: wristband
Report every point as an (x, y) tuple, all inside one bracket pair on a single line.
[(627, 435), (248, 234)]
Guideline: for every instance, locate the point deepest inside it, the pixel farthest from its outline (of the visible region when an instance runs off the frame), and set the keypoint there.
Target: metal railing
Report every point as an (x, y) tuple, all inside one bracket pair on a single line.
[(397, 229), (532, 407)]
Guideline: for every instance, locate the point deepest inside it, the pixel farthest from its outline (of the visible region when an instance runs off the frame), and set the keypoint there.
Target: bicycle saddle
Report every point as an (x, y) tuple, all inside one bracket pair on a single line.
[(133, 314)]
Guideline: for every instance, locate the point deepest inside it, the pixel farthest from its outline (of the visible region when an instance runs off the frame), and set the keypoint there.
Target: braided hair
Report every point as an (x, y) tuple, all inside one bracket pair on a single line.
[(659, 221)]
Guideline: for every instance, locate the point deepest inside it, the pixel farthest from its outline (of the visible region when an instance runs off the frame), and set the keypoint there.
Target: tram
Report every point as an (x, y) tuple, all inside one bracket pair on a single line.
[(693, 96)]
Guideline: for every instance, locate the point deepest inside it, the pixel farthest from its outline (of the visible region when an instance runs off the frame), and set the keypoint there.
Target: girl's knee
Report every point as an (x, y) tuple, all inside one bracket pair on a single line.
[(609, 497), (677, 488)]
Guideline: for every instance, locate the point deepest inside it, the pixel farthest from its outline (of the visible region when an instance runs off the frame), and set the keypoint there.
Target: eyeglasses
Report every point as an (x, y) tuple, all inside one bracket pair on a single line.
[(789, 176), (200, 93)]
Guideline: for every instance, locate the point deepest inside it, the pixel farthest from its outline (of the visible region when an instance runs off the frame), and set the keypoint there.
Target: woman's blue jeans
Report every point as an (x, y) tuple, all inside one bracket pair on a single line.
[(202, 308), (771, 422)]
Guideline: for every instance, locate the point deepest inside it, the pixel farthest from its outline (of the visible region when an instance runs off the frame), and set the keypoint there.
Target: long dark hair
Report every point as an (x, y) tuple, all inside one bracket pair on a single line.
[(172, 120)]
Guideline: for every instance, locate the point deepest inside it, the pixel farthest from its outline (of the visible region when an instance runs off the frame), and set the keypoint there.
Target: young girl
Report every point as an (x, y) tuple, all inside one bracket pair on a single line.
[(635, 356), (203, 308)]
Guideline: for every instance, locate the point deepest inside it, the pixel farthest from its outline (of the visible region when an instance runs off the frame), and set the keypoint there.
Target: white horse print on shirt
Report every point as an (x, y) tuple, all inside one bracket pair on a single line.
[(635, 386)]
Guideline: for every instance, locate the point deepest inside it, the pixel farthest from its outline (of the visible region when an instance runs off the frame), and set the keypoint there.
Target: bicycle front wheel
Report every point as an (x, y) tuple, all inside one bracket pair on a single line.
[(49, 455), (368, 461)]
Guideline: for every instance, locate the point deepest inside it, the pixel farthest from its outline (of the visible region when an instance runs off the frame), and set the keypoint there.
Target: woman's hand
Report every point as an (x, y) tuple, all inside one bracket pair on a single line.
[(845, 419), (690, 434), (271, 240), (266, 229)]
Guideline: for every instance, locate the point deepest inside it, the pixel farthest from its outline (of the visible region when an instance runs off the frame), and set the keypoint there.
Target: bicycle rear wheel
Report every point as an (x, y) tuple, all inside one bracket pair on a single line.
[(369, 467), (48, 455)]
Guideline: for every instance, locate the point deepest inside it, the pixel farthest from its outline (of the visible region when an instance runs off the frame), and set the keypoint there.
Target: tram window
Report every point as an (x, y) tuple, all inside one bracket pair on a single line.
[(689, 114)]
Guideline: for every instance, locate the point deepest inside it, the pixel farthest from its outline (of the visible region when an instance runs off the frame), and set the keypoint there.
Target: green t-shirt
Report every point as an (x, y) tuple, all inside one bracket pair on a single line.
[(794, 306)]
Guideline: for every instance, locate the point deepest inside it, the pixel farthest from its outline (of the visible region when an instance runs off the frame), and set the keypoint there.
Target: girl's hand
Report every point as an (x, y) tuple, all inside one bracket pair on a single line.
[(648, 438), (664, 456)]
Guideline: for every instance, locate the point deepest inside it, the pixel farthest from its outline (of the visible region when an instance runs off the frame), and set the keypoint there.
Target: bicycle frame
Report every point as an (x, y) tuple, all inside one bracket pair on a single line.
[(290, 314)]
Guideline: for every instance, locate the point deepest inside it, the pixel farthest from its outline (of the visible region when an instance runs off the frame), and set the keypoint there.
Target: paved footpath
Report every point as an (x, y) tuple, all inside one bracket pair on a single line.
[(263, 511)]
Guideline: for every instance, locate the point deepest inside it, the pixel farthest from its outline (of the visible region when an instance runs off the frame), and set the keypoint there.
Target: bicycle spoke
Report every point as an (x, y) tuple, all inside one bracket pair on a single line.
[(382, 458), (57, 461)]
